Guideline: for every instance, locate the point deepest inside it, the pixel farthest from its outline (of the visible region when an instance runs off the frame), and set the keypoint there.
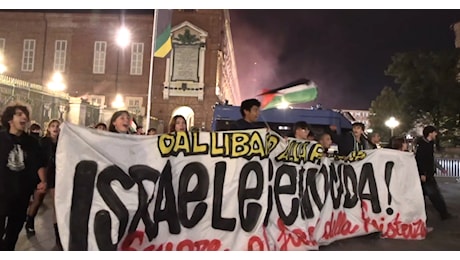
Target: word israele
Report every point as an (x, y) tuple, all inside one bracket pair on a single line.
[(173, 207)]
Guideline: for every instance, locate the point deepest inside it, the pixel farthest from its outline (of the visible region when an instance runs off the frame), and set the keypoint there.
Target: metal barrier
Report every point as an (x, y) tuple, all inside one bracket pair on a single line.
[(451, 165)]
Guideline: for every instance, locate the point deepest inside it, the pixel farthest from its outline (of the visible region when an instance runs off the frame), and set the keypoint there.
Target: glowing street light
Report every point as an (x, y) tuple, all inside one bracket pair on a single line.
[(392, 123), (118, 102), (2, 68), (123, 39), (283, 105), (2, 65), (57, 82)]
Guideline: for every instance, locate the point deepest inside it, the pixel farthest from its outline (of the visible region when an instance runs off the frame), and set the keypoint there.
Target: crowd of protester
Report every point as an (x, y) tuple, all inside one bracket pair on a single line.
[(28, 156)]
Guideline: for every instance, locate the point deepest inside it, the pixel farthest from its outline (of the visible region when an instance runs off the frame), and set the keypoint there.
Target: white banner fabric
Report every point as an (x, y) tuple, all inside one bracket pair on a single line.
[(229, 190)]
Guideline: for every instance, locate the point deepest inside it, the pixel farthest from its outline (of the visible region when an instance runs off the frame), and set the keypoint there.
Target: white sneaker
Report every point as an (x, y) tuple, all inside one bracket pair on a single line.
[(429, 229)]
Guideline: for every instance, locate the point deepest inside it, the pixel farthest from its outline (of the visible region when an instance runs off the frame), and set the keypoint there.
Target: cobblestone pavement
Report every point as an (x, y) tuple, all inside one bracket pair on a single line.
[(446, 234)]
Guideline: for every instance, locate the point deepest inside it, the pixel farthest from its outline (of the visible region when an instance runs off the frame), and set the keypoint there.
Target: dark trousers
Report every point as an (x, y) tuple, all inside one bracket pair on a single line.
[(12, 220), (10, 227), (431, 189)]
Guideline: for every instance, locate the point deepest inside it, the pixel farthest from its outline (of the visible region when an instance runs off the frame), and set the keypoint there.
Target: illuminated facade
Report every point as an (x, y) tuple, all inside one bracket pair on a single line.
[(199, 71)]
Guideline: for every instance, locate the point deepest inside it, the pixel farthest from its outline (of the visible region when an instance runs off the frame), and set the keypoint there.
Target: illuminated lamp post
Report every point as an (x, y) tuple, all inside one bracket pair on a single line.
[(392, 123), (2, 65), (123, 39), (56, 83)]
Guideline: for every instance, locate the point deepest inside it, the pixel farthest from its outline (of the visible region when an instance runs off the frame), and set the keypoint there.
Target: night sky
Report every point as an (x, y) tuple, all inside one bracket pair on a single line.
[(345, 52)]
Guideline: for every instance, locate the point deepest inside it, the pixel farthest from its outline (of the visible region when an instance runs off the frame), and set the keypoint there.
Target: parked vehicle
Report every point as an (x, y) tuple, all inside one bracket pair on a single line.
[(282, 120)]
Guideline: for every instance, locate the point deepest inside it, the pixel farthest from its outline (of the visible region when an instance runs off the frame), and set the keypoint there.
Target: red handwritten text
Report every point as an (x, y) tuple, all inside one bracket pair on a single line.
[(340, 226), (184, 245), (394, 228), (286, 238)]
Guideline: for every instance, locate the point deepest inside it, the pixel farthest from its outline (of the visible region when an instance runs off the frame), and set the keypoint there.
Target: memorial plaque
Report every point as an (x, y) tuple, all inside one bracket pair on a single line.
[(185, 62)]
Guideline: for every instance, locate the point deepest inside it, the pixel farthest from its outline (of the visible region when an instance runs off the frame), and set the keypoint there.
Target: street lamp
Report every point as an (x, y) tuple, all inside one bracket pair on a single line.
[(392, 123), (2, 66), (118, 102), (123, 39), (57, 82)]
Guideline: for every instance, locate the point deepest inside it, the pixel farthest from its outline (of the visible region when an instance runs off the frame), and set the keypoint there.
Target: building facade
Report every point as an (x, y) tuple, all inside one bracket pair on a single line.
[(199, 72), (358, 116), (456, 29)]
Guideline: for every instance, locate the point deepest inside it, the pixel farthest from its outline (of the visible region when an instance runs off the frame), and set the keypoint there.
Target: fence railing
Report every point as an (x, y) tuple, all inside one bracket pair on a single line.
[(451, 165), (17, 83)]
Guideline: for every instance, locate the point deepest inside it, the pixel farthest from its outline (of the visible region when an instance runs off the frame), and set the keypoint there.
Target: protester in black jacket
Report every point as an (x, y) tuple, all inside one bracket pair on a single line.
[(351, 141), (424, 156), (250, 110), (22, 169), (48, 146)]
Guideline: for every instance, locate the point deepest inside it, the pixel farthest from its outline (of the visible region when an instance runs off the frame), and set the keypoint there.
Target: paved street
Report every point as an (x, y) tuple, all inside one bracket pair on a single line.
[(446, 234)]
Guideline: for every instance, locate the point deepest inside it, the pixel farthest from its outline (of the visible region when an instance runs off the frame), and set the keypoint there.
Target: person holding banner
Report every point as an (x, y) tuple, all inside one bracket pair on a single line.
[(374, 140), (250, 110), (22, 170), (424, 156), (120, 122), (399, 143), (35, 130), (326, 141), (302, 130), (48, 145), (152, 131), (351, 141), (177, 124), (101, 126)]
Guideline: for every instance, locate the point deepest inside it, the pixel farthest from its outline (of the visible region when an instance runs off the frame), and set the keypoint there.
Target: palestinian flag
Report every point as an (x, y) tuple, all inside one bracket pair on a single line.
[(299, 91), (163, 44)]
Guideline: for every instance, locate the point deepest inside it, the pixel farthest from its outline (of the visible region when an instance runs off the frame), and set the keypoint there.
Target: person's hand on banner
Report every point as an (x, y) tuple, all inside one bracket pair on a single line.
[(423, 178), (41, 187)]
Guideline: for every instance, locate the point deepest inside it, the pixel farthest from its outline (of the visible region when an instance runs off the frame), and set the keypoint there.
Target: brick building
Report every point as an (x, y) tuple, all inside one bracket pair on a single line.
[(199, 72)]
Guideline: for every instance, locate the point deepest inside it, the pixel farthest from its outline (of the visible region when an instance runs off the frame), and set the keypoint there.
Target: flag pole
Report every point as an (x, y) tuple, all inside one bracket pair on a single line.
[(149, 95)]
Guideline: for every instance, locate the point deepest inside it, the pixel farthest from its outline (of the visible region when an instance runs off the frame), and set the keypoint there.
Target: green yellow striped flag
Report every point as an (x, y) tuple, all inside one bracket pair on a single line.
[(163, 44)]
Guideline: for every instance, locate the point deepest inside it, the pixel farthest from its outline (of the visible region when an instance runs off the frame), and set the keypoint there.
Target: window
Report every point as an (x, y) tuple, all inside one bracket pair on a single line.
[(28, 54), (134, 101), (96, 101), (60, 48), (2, 46), (100, 48), (137, 54)]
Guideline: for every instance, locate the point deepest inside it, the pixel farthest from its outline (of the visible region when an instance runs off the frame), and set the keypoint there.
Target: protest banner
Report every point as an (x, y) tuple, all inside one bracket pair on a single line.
[(229, 190)]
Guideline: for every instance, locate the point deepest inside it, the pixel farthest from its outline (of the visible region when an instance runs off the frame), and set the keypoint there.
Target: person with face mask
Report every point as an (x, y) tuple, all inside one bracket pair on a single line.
[(35, 130)]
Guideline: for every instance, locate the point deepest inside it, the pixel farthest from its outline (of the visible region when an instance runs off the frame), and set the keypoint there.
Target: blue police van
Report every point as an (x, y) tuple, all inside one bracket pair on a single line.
[(283, 120)]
